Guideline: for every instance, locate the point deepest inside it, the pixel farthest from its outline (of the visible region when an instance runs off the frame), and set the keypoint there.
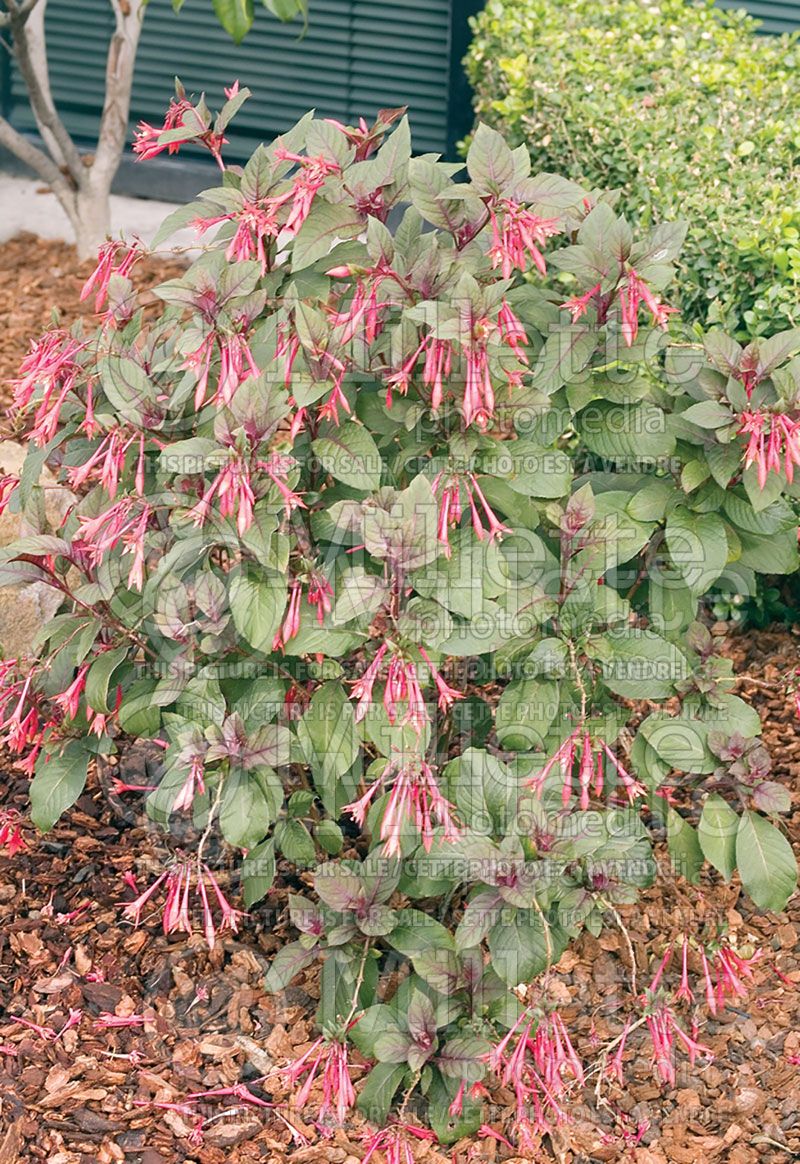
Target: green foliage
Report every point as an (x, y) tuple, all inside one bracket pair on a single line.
[(680, 106), (236, 16)]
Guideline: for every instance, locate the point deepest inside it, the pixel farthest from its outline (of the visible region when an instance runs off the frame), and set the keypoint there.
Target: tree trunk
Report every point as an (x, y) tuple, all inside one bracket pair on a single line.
[(92, 219), (82, 185)]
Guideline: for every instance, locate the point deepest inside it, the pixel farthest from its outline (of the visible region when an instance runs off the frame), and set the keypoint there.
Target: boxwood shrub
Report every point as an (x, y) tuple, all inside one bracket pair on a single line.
[(680, 105)]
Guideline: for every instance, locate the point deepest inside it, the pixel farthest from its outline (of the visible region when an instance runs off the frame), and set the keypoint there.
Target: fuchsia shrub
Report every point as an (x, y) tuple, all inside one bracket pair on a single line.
[(382, 518)]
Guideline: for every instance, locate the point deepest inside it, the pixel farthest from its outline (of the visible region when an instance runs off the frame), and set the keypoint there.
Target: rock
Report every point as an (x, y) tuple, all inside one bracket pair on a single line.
[(25, 609)]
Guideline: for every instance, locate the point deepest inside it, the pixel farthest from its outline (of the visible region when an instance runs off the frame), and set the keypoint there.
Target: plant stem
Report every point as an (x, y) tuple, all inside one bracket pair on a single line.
[(624, 931)]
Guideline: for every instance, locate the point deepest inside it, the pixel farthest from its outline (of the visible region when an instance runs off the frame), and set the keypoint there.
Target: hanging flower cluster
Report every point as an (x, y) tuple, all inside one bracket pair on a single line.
[(396, 1142), (319, 593), (518, 236), (11, 838), (115, 257), (589, 755), (448, 487), (401, 686), (537, 1060), (184, 880), (325, 1061), (773, 444), (414, 798), (633, 292)]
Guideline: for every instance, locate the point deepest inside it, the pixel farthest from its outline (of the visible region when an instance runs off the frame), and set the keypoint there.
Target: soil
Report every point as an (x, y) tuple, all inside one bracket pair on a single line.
[(91, 1095)]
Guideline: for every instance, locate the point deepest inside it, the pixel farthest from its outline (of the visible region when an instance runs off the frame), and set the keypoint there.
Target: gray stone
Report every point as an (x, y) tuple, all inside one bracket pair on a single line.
[(25, 609)]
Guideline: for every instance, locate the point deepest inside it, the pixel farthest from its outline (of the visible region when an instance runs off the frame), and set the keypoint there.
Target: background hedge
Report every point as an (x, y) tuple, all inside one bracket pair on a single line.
[(683, 107)]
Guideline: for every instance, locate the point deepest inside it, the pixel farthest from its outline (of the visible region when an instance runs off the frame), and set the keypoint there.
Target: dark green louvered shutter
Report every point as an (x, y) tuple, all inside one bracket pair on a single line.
[(776, 15), (356, 57)]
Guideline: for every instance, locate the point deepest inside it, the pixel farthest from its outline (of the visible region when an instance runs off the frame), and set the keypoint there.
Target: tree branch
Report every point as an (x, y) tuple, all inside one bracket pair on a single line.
[(119, 82), (38, 161), (19, 10), (31, 57)]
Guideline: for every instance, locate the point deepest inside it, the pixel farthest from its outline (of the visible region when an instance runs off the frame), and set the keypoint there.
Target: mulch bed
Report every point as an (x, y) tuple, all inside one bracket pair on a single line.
[(40, 281), (89, 1096)]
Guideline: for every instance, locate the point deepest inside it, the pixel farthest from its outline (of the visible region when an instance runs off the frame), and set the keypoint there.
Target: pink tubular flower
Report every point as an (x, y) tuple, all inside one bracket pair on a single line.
[(614, 1067), (133, 909), (579, 746), (107, 462), (437, 368), (731, 969), (496, 528), (512, 332), (536, 1058), (291, 623), (145, 142), (49, 363), (337, 399), (69, 701), (319, 594), (773, 445), (10, 834), (322, 363), (256, 225), (578, 305), (52, 368), (277, 466), (414, 798), (180, 115), (446, 694), (517, 234), (478, 404), (487, 1133), (8, 486), (125, 522), (233, 488), (479, 399), (656, 980), (363, 687), (393, 1142), (338, 1095), (684, 991), (664, 1027), (287, 349), (119, 786), (710, 993), (311, 176), (115, 257), (400, 378), (450, 511), (176, 910), (194, 785), (49, 1033), (20, 721), (236, 364), (363, 314), (632, 787), (634, 292), (402, 687)]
